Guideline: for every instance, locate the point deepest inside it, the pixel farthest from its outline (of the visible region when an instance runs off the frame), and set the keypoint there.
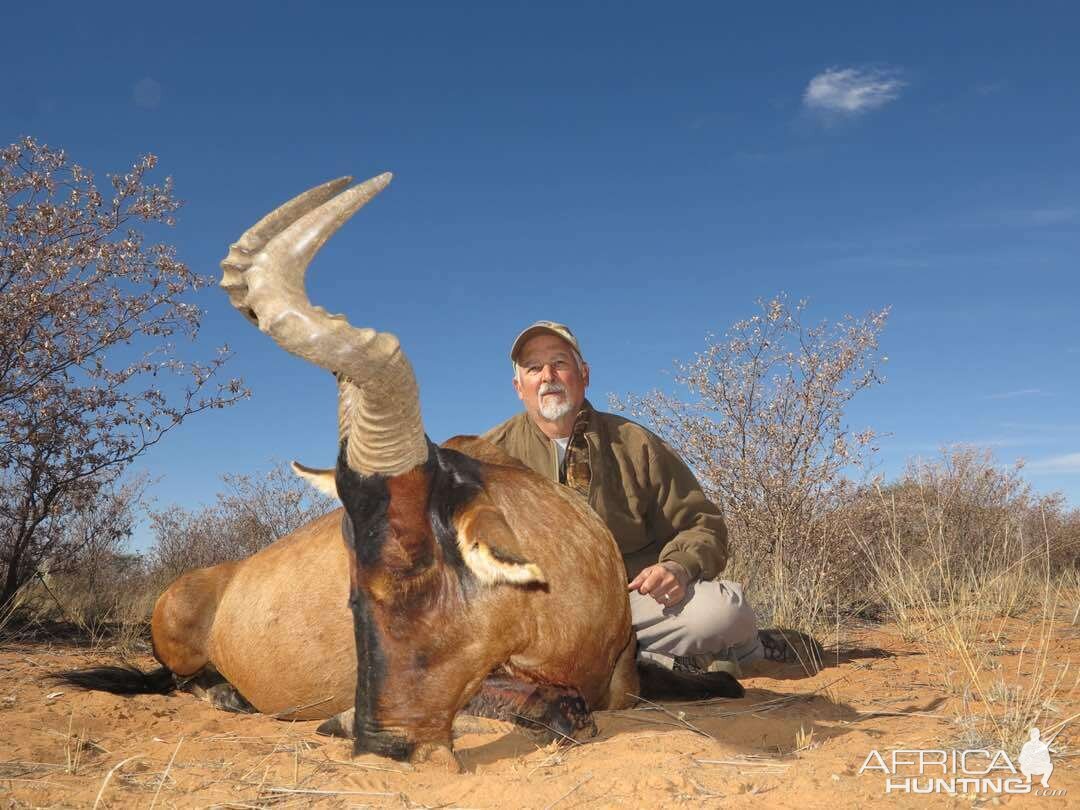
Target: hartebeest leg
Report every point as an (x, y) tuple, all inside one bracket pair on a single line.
[(625, 685), (211, 686), (544, 712), (341, 725)]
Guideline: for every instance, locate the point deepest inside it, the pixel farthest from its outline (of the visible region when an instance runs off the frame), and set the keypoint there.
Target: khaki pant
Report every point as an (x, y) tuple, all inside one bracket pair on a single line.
[(714, 618)]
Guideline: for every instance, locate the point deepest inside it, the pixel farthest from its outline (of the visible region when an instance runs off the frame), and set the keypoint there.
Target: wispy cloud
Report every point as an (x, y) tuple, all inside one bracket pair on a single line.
[(991, 88), (1041, 426), (852, 91), (978, 443), (147, 93), (1008, 441), (1045, 217), (1023, 392), (1053, 216), (1068, 463)]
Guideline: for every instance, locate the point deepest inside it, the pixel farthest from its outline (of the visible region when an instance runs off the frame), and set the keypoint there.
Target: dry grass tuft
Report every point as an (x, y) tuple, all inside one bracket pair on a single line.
[(961, 551)]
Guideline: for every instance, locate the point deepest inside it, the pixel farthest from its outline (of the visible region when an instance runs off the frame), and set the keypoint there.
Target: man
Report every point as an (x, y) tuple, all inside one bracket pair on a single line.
[(672, 538)]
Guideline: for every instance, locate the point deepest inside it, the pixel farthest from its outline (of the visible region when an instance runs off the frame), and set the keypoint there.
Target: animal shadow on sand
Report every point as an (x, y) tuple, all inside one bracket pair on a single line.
[(762, 723)]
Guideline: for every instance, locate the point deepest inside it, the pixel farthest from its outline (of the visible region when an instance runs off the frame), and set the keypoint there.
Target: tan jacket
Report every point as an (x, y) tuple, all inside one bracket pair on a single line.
[(638, 486)]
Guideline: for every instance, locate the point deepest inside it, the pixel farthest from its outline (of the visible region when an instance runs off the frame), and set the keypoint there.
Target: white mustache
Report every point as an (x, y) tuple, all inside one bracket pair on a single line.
[(552, 388)]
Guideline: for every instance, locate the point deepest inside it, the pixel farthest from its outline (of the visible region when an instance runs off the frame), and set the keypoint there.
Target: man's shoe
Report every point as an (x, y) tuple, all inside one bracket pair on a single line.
[(709, 662), (783, 646)]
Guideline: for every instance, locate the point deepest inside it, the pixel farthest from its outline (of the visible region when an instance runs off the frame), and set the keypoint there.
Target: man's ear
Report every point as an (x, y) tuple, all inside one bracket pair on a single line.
[(517, 387), (585, 373)]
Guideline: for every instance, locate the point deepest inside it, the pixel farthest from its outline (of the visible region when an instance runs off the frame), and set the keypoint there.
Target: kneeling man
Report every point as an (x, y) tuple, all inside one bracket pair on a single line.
[(672, 538)]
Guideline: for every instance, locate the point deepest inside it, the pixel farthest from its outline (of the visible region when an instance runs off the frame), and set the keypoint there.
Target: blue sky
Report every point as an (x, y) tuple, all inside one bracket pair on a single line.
[(641, 171)]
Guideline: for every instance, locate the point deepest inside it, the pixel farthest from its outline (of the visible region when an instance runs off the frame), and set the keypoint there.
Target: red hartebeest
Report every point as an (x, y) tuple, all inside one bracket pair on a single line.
[(452, 578)]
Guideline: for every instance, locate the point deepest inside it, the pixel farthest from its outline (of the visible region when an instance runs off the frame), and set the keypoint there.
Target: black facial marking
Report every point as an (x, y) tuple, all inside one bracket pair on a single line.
[(366, 500), (370, 677), (455, 480)]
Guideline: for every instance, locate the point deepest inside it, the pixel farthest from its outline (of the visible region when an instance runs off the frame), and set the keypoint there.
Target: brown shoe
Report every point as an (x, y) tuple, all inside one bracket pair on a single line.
[(708, 662), (783, 646)]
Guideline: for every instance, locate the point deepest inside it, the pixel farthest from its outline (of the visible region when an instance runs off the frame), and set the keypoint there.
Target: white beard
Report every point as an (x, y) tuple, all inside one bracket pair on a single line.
[(553, 410)]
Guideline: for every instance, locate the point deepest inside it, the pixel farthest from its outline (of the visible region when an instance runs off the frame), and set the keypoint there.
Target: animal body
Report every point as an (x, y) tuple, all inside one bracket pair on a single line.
[(452, 579)]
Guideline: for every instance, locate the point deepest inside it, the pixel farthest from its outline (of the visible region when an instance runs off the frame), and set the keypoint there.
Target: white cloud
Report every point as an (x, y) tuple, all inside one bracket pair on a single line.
[(991, 88), (1045, 217), (1058, 427), (1001, 442), (851, 91), (1064, 464), (147, 93), (1054, 216), (1023, 392)]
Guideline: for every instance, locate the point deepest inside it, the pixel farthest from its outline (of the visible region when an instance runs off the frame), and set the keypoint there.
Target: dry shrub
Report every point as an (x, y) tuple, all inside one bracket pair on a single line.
[(961, 533), (88, 581), (954, 549), (92, 313), (97, 575), (108, 593), (252, 512), (763, 427)]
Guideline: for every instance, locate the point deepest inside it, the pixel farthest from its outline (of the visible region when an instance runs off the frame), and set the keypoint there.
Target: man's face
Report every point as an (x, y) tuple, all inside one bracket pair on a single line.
[(549, 380)]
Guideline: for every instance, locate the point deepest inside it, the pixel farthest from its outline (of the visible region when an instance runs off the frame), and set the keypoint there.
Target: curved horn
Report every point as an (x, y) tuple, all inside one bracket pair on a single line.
[(263, 273)]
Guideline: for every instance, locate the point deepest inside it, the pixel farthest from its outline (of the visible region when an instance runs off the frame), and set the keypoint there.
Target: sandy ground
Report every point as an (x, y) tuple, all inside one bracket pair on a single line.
[(793, 741)]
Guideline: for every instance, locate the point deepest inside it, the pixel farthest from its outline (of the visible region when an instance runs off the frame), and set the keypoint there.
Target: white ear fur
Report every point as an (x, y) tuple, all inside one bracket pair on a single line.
[(473, 529), (490, 570), (323, 480)]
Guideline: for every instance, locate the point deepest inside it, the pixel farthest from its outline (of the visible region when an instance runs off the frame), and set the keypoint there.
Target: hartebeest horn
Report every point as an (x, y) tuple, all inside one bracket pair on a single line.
[(379, 404)]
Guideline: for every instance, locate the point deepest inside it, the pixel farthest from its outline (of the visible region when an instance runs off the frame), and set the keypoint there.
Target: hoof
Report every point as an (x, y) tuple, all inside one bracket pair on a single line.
[(224, 696), (341, 725), (436, 756)]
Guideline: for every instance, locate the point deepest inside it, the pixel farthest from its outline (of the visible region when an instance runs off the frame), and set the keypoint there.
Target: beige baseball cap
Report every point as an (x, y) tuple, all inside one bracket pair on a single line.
[(540, 327)]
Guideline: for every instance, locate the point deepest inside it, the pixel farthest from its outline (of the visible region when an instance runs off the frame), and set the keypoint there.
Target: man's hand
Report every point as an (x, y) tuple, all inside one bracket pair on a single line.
[(665, 582)]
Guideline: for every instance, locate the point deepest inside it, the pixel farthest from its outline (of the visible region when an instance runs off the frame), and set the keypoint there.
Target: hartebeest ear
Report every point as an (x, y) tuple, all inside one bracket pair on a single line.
[(322, 480), (490, 547)]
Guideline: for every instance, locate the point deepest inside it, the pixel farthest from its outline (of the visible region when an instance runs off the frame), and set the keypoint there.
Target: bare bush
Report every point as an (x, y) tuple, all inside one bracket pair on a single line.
[(108, 593), (961, 532), (764, 429), (89, 312), (954, 548), (95, 573), (94, 584), (252, 512)]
